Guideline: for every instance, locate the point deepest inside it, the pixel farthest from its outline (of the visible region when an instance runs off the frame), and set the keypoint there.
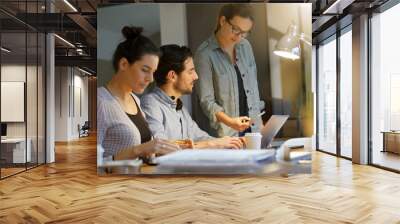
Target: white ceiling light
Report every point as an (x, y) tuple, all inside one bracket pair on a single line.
[(65, 41), (5, 50), (337, 7), (80, 51), (70, 5), (84, 71)]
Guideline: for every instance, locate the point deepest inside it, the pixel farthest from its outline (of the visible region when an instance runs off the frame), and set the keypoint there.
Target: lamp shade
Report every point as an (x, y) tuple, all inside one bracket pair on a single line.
[(289, 45)]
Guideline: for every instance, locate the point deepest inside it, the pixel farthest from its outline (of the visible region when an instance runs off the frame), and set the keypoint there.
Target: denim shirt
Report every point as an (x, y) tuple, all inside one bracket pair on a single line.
[(168, 123), (217, 86)]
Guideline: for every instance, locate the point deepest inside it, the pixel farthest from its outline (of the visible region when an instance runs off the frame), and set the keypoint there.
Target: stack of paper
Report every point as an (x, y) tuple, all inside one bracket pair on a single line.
[(214, 161)]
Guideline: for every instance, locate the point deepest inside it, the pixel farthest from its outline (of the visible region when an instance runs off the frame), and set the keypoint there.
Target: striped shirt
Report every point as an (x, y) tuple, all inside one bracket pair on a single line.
[(115, 131)]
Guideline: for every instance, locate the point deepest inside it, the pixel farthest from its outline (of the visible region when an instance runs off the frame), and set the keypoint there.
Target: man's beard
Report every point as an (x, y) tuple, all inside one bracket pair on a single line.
[(186, 91)]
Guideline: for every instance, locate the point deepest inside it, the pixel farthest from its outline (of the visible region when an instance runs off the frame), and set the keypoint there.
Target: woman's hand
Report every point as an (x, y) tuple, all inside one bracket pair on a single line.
[(155, 146), (158, 147), (240, 123)]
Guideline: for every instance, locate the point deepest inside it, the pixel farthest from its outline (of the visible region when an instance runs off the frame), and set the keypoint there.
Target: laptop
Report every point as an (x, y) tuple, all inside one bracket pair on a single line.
[(271, 128)]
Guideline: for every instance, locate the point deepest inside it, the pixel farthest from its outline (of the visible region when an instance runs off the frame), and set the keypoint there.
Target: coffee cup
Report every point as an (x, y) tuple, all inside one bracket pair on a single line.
[(253, 140)]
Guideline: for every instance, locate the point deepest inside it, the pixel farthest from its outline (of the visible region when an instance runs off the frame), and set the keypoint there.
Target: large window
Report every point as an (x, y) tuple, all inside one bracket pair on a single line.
[(385, 88), (334, 64), (327, 96), (346, 93)]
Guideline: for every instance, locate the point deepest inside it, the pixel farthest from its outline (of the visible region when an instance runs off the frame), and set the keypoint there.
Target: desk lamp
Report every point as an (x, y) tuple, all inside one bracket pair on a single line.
[(289, 45)]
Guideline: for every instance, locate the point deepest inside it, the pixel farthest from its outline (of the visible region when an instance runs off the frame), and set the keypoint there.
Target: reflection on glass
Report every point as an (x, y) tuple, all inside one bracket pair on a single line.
[(41, 99), (346, 94), (13, 83), (31, 100), (327, 97), (23, 86), (385, 87)]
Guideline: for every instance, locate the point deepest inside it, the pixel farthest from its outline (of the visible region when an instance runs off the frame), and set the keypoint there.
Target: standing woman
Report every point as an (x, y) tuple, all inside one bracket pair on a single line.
[(228, 89), (122, 129)]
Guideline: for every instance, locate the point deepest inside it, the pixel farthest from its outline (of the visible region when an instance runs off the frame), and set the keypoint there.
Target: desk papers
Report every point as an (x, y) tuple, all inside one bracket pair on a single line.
[(214, 161)]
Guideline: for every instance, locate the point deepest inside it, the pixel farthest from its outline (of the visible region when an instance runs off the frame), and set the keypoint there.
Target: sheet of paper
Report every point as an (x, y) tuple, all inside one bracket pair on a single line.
[(217, 157)]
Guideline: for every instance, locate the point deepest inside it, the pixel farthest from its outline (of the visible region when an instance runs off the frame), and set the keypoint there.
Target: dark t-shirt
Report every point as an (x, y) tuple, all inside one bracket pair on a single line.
[(243, 108), (141, 124)]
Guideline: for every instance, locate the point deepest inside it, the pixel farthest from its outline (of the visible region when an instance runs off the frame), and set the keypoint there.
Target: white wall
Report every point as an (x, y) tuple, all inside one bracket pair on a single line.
[(173, 24), (12, 73), (111, 20), (80, 100), (61, 103), (174, 31), (71, 93), (33, 126)]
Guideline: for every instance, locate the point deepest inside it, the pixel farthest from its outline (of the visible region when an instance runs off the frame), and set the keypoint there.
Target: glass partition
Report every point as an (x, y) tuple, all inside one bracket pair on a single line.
[(41, 91), (327, 96), (346, 93), (385, 89), (31, 97), (14, 151), (22, 89)]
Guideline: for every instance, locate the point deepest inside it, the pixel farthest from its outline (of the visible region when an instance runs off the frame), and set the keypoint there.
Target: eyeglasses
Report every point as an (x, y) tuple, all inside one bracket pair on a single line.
[(237, 31)]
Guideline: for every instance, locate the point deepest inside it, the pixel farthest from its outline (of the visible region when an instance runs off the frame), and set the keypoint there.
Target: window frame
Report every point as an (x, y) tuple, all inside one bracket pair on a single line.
[(334, 37), (379, 10)]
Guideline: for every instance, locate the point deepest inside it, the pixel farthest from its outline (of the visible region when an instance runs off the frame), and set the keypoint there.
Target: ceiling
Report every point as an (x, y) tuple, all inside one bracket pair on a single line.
[(77, 23)]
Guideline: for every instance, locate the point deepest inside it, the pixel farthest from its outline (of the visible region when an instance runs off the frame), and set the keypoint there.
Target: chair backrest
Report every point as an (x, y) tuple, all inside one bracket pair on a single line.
[(86, 125)]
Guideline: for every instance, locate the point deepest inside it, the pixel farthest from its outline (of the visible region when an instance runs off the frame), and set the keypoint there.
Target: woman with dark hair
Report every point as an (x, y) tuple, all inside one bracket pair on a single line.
[(123, 132), (228, 89)]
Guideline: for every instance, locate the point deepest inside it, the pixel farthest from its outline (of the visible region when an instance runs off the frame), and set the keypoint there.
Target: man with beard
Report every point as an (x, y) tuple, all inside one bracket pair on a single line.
[(167, 117)]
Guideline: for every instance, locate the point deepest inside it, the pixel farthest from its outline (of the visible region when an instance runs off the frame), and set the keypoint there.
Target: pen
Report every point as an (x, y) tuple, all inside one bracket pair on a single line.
[(258, 115)]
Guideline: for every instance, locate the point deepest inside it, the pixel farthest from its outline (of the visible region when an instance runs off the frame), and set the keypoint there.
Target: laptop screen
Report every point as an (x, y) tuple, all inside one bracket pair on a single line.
[(271, 128)]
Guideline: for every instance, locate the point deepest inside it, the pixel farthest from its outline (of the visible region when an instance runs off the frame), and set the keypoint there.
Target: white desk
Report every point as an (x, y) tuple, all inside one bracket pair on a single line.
[(17, 146)]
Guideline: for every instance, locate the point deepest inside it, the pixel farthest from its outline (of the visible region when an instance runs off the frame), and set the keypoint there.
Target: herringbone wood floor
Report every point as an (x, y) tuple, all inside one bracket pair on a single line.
[(69, 191)]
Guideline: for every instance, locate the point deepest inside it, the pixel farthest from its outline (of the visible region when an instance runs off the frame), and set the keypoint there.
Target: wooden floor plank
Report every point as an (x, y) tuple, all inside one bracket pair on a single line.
[(70, 191)]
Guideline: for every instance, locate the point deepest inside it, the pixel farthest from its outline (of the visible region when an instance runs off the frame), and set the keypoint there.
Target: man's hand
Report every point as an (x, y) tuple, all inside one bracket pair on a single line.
[(226, 142)]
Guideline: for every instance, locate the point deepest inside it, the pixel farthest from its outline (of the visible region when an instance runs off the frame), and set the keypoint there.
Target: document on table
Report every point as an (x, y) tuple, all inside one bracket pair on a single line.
[(214, 161)]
